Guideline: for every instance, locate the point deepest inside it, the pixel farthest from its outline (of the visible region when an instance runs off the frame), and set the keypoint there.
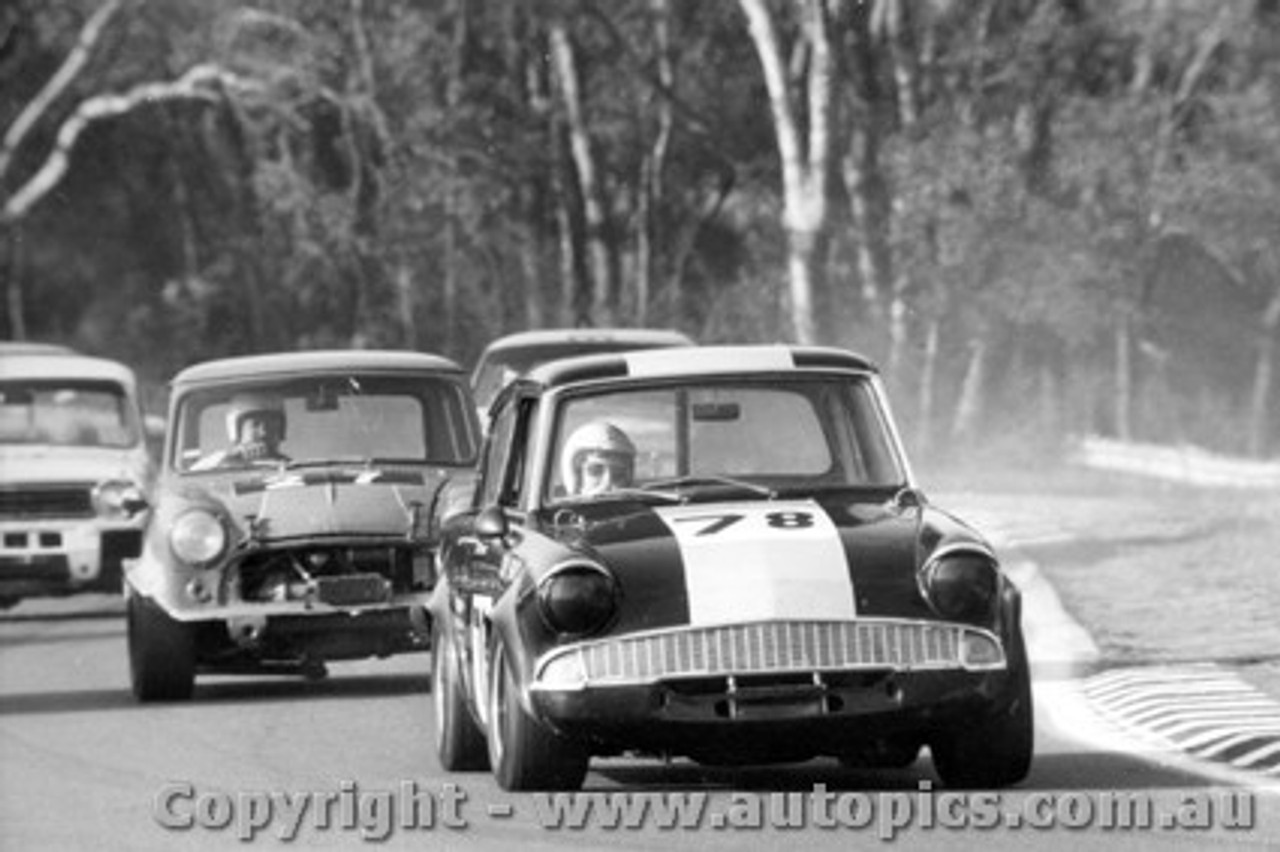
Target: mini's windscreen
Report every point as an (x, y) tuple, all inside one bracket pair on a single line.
[(359, 419)]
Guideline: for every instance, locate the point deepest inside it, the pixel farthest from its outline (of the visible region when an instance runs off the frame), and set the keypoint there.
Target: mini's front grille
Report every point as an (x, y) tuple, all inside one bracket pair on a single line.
[(72, 501), (773, 646)]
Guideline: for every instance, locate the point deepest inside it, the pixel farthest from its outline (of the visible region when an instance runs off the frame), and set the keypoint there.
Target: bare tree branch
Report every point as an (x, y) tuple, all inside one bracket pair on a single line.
[(201, 82), (58, 83)]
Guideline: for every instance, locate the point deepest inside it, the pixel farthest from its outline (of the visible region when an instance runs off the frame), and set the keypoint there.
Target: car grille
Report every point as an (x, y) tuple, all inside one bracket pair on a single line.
[(774, 646), (73, 501)]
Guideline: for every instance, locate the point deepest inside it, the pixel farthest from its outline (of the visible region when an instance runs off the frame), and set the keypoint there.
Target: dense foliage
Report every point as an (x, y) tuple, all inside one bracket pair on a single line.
[(1043, 217)]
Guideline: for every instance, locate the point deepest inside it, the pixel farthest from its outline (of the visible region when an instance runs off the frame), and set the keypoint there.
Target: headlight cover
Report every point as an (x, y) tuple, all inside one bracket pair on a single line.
[(577, 598), (961, 585), (198, 537)]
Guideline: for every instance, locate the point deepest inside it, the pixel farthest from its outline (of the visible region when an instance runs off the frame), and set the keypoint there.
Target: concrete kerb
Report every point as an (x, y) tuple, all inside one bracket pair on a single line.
[(1062, 654)]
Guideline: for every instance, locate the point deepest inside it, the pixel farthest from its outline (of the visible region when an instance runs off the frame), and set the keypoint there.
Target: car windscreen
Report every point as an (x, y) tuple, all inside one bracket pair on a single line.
[(351, 418), (67, 412), (801, 432)]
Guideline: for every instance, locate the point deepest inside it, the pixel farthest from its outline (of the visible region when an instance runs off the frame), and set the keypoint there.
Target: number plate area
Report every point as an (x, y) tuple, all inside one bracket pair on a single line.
[(353, 589)]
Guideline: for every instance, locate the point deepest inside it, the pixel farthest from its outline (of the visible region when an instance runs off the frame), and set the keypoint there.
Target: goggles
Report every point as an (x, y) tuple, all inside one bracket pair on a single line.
[(595, 466)]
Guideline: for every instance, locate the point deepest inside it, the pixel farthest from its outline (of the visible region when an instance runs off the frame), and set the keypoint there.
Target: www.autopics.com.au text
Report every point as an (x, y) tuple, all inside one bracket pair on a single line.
[(376, 814)]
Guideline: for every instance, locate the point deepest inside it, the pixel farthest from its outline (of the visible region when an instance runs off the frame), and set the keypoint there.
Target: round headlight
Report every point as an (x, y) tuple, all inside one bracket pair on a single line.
[(961, 587), (198, 537), (577, 599)]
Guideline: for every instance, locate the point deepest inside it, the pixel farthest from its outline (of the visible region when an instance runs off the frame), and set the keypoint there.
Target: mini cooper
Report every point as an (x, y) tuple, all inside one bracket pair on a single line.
[(718, 553), (292, 519)]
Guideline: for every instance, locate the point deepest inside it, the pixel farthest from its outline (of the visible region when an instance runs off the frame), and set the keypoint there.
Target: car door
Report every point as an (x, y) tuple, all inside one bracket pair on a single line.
[(477, 577)]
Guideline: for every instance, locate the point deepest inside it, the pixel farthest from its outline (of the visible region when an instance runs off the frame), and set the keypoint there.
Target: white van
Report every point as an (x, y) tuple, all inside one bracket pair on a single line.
[(74, 473)]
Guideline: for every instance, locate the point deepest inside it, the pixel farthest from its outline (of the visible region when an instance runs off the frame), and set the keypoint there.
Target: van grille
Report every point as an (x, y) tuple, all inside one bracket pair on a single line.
[(70, 501)]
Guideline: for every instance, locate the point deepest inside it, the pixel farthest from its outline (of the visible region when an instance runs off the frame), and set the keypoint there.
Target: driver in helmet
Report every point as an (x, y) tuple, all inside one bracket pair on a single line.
[(597, 458), (255, 426)]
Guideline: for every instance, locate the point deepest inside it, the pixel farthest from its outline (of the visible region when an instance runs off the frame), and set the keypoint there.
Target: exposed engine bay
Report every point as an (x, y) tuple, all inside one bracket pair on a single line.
[(333, 574)]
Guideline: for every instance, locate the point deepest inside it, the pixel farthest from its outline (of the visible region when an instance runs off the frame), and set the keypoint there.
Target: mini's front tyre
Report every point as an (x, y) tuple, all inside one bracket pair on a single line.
[(523, 753), (162, 655)]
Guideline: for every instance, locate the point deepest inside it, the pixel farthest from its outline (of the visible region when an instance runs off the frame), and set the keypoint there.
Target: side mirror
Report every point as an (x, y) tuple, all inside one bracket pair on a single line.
[(491, 524), (135, 504)]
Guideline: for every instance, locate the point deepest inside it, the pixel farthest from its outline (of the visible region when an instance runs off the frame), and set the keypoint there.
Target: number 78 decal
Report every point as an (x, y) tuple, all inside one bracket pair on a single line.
[(712, 524)]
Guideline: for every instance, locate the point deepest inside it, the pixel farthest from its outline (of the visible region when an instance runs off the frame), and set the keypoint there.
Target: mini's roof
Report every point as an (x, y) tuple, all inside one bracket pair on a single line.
[(65, 365), (698, 361), (541, 336), (315, 361)]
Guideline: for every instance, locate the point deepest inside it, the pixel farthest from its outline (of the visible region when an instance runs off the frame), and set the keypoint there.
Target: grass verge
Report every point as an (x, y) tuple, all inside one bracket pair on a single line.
[(1156, 572)]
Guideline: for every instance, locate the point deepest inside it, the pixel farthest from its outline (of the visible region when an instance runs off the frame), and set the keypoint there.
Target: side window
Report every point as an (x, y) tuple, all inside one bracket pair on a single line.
[(522, 448), (497, 451), (505, 481)]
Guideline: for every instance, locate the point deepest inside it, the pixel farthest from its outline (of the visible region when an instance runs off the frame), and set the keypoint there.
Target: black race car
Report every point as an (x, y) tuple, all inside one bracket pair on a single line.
[(720, 553)]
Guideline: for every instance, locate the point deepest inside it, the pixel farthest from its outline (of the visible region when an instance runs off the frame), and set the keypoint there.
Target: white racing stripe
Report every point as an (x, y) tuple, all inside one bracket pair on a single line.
[(751, 561), (727, 359)]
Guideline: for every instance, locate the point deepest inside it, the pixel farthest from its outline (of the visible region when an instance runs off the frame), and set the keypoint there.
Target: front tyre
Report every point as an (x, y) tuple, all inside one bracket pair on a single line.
[(996, 749), (524, 753), (885, 753), (460, 744), (162, 658)]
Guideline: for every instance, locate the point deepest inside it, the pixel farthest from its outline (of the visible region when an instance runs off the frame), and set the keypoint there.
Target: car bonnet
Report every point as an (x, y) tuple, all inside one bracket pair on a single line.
[(330, 501), (709, 563)]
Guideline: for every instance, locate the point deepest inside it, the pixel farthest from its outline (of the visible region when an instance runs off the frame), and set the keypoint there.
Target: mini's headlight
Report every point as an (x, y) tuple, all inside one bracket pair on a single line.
[(110, 498), (577, 598), (198, 537), (961, 586)]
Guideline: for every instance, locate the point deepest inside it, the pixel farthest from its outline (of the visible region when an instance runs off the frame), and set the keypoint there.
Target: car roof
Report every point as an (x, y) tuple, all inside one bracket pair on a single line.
[(698, 361), (315, 361), (33, 347), (547, 336), (66, 365)]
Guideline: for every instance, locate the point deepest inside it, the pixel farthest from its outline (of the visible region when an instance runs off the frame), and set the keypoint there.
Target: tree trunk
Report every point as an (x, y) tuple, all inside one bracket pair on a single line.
[(453, 97), (403, 283), (532, 308), (1260, 403), (651, 184), (924, 413), (14, 300), (537, 196), (1124, 377), (805, 160), (869, 194), (593, 210), (644, 240), (802, 258), (970, 402), (892, 18)]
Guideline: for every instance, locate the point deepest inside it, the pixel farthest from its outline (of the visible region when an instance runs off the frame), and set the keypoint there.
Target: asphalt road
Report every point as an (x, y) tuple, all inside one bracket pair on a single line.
[(347, 762)]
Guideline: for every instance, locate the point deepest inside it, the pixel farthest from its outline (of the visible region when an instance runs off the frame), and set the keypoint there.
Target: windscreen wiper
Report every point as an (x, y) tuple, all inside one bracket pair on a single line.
[(695, 481)]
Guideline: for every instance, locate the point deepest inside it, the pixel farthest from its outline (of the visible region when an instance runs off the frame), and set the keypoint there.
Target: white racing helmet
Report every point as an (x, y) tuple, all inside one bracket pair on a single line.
[(254, 403), (598, 436)]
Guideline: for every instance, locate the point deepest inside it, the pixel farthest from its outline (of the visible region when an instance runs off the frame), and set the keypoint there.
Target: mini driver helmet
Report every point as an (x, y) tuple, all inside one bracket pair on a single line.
[(254, 405), (597, 441)]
